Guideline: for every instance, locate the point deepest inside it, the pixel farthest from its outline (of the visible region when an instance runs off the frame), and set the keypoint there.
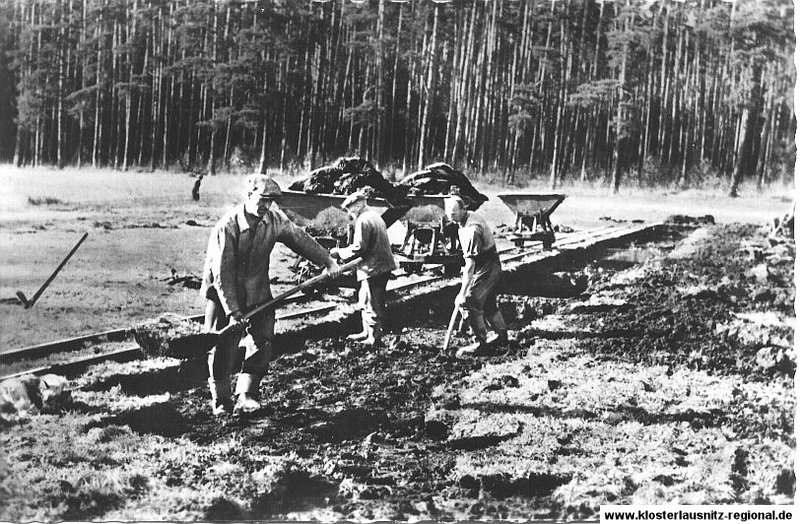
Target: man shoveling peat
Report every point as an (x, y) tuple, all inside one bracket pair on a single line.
[(236, 278)]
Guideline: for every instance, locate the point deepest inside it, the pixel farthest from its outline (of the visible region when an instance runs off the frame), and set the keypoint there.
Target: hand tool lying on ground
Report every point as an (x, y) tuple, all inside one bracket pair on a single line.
[(29, 303), (182, 337)]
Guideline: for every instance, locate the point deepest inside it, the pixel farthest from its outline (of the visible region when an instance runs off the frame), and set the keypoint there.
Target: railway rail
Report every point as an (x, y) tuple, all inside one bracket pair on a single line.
[(575, 243)]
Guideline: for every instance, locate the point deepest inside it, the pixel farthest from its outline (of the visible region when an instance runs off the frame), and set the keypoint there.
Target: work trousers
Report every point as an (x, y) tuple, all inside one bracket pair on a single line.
[(225, 356), (480, 305), (372, 301)]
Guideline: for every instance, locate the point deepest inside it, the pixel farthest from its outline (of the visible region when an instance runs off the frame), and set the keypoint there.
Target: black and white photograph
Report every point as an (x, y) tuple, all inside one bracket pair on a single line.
[(397, 260)]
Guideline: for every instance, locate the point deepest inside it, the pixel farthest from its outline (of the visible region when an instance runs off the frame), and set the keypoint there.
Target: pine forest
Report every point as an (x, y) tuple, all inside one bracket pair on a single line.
[(648, 92)]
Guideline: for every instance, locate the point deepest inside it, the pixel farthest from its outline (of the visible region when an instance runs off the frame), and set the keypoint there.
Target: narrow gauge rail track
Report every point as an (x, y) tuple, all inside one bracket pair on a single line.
[(574, 242)]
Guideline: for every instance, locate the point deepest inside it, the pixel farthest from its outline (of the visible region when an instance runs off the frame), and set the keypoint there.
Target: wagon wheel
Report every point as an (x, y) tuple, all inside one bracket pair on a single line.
[(452, 268), (412, 267)]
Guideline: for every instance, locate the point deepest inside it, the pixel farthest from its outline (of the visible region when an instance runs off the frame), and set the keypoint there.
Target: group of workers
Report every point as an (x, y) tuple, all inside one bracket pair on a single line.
[(236, 279)]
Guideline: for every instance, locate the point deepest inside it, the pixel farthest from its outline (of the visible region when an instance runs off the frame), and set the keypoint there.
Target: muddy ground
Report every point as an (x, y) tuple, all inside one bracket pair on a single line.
[(669, 380)]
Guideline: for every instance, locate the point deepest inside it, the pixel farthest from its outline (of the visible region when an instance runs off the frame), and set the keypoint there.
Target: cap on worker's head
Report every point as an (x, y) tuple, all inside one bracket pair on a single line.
[(262, 185), (358, 196), (455, 200)]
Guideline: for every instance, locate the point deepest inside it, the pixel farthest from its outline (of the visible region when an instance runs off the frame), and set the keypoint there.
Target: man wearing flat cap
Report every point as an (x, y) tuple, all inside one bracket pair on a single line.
[(371, 243), (236, 279)]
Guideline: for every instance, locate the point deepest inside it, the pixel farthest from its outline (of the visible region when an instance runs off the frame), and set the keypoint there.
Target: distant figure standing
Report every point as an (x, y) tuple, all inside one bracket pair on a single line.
[(371, 242), (236, 279), (480, 277), (196, 188)]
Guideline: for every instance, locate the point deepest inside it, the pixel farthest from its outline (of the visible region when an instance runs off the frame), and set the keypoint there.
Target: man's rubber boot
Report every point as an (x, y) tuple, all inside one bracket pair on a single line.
[(374, 336), (363, 335), (246, 393), (497, 339), (221, 403), (498, 324), (245, 404), (479, 349)]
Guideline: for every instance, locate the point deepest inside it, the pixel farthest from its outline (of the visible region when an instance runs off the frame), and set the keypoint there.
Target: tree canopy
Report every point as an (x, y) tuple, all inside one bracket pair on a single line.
[(634, 91)]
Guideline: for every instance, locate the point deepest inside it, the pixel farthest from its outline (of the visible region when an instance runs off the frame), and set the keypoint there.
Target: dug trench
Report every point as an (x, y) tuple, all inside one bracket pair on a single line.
[(659, 372)]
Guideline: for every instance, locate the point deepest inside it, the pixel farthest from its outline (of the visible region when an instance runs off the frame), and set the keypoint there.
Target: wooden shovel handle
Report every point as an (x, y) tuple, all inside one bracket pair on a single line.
[(450, 328), (296, 289), (305, 285)]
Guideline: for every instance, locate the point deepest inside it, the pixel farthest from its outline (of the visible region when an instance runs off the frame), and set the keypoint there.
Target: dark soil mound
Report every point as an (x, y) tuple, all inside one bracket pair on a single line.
[(345, 176), (442, 179), (683, 309), (349, 174)]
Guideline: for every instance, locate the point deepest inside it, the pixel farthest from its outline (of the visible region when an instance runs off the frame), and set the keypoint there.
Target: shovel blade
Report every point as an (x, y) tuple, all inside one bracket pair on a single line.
[(22, 298)]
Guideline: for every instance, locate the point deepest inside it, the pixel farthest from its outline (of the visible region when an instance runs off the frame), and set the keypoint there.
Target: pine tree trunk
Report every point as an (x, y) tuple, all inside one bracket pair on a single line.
[(748, 127), (142, 110), (618, 138), (155, 110), (170, 90), (17, 148), (211, 167), (129, 93), (429, 89), (98, 132)]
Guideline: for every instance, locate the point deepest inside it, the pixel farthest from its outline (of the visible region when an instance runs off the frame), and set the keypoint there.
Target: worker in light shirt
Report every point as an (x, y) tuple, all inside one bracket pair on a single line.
[(477, 297), (371, 244)]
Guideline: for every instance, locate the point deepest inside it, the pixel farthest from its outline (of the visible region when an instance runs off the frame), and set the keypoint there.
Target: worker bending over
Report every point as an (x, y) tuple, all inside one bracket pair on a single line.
[(236, 279), (477, 298), (371, 243)]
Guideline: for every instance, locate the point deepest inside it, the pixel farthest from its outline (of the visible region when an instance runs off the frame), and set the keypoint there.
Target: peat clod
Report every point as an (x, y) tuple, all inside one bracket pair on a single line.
[(482, 432), (189, 280), (785, 482), (173, 336), (349, 424), (162, 419), (282, 484), (221, 509), (503, 485), (685, 220)]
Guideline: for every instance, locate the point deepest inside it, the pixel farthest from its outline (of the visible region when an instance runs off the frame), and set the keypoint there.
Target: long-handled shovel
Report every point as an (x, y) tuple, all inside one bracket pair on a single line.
[(311, 282), (183, 338), (450, 327)]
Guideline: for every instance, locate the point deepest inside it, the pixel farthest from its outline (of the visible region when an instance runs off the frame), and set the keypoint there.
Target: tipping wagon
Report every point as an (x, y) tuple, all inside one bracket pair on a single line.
[(306, 207), (532, 216), (429, 238), (316, 211)]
